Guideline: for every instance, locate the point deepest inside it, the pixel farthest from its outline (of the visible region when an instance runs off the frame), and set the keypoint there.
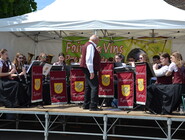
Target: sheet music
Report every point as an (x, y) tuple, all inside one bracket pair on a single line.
[(46, 69), (34, 62)]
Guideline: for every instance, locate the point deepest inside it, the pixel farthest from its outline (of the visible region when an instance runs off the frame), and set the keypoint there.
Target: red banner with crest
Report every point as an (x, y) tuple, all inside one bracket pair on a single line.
[(58, 87), (141, 83), (36, 95), (125, 89), (77, 79), (106, 83)]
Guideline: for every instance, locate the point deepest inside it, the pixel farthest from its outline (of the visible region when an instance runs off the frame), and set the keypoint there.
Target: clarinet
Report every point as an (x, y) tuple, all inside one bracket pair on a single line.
[(25, 76), (10, 67)]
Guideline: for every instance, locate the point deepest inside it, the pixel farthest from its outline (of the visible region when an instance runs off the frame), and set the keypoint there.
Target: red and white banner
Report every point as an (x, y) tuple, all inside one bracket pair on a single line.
[(125, 89), (36, 95), (58, 87), (141, 83), (106, 84), (77, 79)]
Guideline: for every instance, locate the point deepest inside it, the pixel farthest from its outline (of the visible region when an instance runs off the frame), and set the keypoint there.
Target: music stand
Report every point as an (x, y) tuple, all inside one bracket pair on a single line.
[(57, 68), (149, 73), (120, 70), (33, 63)]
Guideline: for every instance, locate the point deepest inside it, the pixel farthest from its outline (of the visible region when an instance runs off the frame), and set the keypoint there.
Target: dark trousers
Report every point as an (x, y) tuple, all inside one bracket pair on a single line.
[(91, 90)]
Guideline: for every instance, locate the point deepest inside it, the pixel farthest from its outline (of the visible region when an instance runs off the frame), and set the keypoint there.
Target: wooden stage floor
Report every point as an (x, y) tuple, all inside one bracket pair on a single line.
[(75, 109)]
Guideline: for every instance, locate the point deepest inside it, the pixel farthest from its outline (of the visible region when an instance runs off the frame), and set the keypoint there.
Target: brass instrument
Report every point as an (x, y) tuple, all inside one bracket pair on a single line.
[(49, 58), (30, 56)]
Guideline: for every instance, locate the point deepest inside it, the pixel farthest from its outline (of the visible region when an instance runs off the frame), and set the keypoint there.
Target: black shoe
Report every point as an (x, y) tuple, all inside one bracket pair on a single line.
[(85, 108), (165, 113), (96, 109)]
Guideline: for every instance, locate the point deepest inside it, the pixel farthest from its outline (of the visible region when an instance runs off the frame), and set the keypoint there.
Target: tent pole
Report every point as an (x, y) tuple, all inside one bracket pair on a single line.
[(95, 32)]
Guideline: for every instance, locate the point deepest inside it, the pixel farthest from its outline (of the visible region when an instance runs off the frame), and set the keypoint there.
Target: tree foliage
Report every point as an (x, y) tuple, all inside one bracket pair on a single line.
[(10, 8)]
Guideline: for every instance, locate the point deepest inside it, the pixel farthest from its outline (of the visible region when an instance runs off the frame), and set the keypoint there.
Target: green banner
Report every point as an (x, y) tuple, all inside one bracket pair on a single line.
[(71, 46)]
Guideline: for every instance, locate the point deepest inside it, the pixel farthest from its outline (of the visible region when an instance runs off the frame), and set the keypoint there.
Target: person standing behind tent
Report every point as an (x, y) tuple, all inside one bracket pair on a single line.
[(91, 65)]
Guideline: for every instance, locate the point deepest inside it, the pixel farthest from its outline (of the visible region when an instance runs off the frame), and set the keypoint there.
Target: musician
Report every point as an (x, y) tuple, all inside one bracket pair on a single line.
[(170, 94), (161, 69), (42, 58), (143, 57), (91, 65), (156, 59), (119, 58), (155, 100), (61, 61), (18, 63), (9, 89)]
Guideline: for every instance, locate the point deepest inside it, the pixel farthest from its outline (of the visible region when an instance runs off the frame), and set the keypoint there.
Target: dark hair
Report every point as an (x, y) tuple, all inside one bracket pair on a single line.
[(2, 51), (156, 57), (166, 55), (110, 59), (121, 56), (61, 54), (134, 53)]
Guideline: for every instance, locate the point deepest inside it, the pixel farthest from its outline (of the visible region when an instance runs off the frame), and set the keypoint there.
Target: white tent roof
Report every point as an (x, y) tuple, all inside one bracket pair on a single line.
[(98, 14)]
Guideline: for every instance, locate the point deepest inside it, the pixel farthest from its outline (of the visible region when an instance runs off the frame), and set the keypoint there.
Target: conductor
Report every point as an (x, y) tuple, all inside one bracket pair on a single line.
[(90, 63)]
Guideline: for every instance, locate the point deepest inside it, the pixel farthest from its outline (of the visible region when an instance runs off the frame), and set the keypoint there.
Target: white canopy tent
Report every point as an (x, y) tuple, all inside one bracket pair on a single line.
[(42, 31)]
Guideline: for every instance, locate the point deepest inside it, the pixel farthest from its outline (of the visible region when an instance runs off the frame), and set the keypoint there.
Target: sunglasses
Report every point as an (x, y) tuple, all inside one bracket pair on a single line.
[(20, 57), (140, 57)]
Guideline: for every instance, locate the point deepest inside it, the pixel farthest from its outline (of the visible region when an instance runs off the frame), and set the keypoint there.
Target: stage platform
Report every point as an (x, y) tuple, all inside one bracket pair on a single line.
[(52, 116)]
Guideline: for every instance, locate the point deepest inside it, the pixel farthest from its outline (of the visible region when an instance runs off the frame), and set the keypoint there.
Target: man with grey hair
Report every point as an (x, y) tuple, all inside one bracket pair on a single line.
[(90, 62)]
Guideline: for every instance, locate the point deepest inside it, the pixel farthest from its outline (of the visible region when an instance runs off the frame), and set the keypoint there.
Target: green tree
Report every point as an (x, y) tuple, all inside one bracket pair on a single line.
[(10, 8)]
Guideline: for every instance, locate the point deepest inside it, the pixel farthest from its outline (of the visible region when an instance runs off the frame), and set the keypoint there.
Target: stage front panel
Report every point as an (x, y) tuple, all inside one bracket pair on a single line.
[(58, 87), (77, 82), (141, 84), (125, 89), (106, 84), (36, 95)]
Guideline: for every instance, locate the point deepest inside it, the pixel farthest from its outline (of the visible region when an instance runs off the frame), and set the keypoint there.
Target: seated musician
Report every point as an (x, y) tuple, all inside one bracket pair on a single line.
[(131, 60), (171, 93), (156, 60), (18, 63), (143, 57), (177, 88), (61, 61), (42, 58), (155, 100), (118, 58), (9, 89)]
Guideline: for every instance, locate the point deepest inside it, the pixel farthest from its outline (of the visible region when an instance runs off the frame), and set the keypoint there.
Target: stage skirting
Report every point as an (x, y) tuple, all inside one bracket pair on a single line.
[(106, 120)]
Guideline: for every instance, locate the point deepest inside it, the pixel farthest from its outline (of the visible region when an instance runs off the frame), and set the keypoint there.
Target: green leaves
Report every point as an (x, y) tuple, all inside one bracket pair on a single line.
[(10, 8)]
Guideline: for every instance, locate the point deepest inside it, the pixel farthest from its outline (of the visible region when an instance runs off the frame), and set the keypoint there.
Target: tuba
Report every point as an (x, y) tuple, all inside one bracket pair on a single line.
[(30, 56), (49, 58)]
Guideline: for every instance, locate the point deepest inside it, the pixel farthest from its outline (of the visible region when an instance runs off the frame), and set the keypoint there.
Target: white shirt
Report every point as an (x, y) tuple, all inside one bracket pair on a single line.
[(173, 67), (90, 56), (161, 72), (1, 64)]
